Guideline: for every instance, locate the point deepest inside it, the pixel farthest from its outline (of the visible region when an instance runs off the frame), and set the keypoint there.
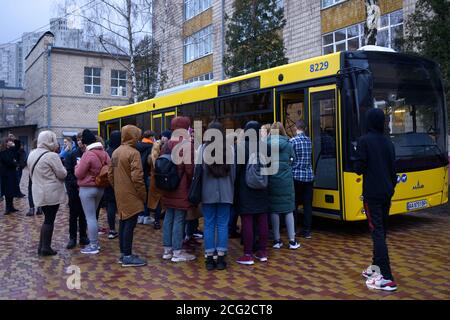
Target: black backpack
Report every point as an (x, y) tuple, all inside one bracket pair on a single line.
[(166, 175)]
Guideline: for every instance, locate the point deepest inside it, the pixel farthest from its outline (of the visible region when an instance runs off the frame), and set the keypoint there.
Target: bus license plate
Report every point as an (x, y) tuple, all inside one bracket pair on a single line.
[(416, 205)]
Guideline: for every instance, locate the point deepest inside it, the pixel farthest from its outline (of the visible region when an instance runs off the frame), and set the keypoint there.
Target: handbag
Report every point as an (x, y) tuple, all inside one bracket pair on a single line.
[(195, 191)]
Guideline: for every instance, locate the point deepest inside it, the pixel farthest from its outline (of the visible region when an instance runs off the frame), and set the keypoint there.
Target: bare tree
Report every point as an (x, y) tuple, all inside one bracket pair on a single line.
[(372, 22), (118, 26)]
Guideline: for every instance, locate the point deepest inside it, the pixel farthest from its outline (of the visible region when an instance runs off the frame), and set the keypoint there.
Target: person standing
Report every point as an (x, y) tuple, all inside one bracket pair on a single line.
[(176, 201), (281, 186), (8, 165), (154, 195), (31, 211), (217, 198), (111, 205), (66, 149), (302, 172), (127, 179), (145, 148), (251, 203), (47, 175), (77, 219), (375, 161), (86, 171)]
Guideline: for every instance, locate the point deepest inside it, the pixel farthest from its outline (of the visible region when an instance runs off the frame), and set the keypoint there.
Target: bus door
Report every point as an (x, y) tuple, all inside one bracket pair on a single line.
[(324, 134), (161, 121), (292, 110), (112, 126)]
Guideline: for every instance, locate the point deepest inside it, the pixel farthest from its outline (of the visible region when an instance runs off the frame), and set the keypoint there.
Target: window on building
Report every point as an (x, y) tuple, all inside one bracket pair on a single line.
[(195, 7), (92, 80), (203, 77), (329, 3), (198, 45), (352, 37), (119, 83)]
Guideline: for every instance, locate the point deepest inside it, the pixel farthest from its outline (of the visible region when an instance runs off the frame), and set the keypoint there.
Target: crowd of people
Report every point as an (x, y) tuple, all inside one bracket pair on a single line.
[(136, 179)]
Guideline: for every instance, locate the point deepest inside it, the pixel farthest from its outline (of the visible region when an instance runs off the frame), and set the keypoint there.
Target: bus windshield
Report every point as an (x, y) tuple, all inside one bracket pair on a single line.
[(410, 94)]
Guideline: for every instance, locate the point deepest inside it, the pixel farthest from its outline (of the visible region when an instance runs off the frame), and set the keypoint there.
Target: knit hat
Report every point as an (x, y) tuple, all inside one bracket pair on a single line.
[(180, 123), (87, 137)]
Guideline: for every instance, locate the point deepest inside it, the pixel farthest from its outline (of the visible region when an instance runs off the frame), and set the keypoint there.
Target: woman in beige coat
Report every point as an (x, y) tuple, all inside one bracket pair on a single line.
[(47, 175)]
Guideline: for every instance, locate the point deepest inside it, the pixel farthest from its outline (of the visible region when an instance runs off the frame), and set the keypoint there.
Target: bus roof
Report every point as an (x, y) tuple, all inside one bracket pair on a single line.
[(317, 67)]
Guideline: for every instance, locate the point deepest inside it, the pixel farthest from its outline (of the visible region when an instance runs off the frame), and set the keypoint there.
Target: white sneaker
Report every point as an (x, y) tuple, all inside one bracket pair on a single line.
[(182, 256), (140, 219), (294, 245), (277, 244), (379, 283), (148, 220), (168, 253)]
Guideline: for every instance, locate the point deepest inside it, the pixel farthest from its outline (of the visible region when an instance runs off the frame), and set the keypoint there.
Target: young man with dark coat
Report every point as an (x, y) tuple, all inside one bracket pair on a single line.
[(375, 160), (77, 219)]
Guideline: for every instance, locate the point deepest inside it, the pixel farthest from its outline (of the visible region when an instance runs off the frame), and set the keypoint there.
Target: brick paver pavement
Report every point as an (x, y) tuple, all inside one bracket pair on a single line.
[(326, 267)]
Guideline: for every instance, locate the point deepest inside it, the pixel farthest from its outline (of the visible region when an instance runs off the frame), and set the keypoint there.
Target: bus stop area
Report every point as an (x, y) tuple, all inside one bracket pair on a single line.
[(328, 266)]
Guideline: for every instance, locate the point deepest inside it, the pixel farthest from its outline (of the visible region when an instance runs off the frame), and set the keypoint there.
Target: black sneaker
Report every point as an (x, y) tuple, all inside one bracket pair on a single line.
[(156, 225), (30, 213), (72, 244), (120, 261), (198, 234), (307, 235), (221, 263), (112, 235), (133, 261), (210, 263), (39, 212)]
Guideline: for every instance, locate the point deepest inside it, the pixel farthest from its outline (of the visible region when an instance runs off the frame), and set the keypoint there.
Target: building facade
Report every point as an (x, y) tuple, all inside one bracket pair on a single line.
[(191, 33), (67, 88)]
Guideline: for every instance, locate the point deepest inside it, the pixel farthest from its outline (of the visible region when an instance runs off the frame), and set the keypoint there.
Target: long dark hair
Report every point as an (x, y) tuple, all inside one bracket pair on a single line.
[(219, 170)]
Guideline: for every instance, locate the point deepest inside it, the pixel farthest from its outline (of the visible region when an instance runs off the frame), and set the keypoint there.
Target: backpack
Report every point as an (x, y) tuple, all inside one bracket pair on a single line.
[(166, 174), (101, 180), (253, 177)]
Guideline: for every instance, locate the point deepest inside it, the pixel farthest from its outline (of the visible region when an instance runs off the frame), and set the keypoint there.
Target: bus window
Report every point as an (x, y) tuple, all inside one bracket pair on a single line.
[(200, 111), (293, 110), (168, 120), (157, 124), (103, 130), (324, 139), (129, 121), (143, 121), (235, 112)]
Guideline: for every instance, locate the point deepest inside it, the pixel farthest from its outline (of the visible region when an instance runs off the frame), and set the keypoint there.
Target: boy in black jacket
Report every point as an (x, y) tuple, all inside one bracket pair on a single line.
[(77, 219), (376, 162)]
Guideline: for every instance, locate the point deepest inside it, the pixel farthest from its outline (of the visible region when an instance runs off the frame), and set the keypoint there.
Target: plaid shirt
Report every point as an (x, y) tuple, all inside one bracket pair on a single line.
[(302, 167)]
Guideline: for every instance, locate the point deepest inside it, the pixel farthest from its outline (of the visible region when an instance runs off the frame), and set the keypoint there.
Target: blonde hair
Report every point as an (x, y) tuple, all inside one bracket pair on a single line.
[(278, 126), (266, 128)]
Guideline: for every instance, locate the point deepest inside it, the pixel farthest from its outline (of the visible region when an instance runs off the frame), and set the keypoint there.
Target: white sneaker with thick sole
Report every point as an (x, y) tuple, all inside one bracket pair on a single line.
[(168, 253), (148, 220), (293, 245), (182, 256), (369, 272), (379, 283)]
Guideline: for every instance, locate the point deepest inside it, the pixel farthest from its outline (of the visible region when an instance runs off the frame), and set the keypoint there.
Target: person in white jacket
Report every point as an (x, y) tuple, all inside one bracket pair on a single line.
[(47, 175)]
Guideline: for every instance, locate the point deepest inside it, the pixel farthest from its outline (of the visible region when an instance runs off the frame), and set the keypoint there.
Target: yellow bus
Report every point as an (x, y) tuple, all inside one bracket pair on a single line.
[(332, 94)]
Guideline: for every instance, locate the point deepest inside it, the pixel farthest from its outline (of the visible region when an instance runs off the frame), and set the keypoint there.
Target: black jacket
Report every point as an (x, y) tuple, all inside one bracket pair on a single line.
[(70, 163), (375, 160), (145, 149), (8, 165), (114, 143), (247, 200)]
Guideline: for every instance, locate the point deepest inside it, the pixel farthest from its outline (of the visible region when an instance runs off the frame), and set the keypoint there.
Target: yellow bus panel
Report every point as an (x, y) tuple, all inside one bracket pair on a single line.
[(429, 185)]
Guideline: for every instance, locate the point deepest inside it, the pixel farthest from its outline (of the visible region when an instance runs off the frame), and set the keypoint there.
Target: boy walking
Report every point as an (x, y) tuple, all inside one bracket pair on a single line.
[(376, 162)]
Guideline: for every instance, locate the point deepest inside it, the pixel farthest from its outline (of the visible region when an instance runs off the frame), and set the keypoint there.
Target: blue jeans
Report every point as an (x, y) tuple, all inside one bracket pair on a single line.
[(173, 228), (216, 215)]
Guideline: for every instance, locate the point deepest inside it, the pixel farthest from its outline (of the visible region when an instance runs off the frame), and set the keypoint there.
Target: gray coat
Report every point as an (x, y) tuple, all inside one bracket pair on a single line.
[(217, 190)]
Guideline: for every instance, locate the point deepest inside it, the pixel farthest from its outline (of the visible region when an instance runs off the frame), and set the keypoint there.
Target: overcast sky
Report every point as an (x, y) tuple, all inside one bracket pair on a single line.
[(19, 16)]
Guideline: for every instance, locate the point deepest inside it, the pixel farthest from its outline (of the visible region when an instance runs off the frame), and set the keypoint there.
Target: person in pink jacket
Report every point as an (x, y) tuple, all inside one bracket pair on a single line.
[(87, 169)]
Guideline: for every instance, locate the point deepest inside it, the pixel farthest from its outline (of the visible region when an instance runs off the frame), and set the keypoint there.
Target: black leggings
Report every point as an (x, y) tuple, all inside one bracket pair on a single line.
[(126, 231), (111, 209), (30, 194), (50, 214)]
